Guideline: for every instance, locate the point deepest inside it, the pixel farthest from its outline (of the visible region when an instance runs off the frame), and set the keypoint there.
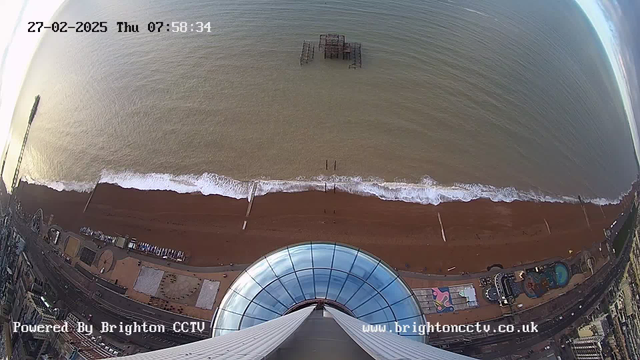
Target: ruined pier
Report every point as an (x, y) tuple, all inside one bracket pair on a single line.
[(333, 46)]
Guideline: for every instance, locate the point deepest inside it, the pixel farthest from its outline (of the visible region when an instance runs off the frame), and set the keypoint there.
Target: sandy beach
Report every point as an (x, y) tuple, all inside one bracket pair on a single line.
[(408, 236)]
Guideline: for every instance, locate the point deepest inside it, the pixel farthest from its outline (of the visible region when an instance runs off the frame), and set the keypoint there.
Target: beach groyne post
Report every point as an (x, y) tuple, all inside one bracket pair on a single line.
[(326, 164), (16, 175), (584, 211), (90, 197), (548, 228), (441, 227), (335, 165), (252, 196), (586, 218)]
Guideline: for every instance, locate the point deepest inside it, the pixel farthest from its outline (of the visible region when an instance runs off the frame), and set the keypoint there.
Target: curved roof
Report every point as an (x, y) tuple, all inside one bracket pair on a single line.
[(347, 278)]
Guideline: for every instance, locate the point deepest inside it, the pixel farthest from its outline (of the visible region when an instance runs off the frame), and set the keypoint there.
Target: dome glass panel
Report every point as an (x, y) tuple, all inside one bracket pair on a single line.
[(346, 278)]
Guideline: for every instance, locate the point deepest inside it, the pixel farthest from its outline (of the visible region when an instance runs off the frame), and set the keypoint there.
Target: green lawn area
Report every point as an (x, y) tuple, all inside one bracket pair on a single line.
[(625, 231)]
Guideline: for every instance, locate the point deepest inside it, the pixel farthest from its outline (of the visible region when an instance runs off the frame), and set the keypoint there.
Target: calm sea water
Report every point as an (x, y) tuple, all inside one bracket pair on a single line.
[(498, 92)]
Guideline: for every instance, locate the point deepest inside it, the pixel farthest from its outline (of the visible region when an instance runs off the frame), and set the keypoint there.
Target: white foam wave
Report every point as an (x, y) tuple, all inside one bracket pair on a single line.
[(207, 184), (428, 191), (62, 185)]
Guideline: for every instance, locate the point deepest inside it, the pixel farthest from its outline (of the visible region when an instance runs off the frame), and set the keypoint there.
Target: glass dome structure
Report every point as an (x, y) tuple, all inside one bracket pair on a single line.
[(340, 276)]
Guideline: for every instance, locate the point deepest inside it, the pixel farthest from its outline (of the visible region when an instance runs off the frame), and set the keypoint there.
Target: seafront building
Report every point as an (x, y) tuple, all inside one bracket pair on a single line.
[(24, 288), (612, 329)]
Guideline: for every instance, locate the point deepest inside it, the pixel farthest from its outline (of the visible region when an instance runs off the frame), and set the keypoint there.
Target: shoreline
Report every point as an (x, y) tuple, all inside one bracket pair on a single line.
[(408, 236), (427, 191)]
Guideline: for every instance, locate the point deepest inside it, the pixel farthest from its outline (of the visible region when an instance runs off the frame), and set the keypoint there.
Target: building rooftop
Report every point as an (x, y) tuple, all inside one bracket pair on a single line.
[(312, 332), (349, 279)]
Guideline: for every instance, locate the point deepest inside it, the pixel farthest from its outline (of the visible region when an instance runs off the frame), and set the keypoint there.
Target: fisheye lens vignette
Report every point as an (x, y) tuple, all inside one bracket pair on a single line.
[(436, 180)]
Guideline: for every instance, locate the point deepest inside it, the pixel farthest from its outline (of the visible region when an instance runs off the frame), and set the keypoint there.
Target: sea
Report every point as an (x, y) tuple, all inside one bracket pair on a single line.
[(455, 100)]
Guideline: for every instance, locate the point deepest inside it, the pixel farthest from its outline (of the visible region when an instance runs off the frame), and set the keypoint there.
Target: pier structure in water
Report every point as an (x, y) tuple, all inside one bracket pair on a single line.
[(333, 46)]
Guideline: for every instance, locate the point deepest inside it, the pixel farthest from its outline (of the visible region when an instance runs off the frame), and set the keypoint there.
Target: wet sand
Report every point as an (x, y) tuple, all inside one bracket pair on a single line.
[(407, 236)]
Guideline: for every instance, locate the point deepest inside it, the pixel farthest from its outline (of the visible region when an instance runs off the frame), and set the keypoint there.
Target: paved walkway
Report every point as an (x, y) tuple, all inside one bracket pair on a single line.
[(456, 277), (120, 254)]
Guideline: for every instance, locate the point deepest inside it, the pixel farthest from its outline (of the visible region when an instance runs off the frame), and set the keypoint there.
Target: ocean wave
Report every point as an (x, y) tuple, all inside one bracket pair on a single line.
[(427, 191), (62, 185), (207, 184)]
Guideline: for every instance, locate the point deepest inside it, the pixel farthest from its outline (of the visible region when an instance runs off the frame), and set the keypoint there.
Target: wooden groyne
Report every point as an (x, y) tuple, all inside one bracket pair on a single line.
[(251, 198), (90, 197)]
